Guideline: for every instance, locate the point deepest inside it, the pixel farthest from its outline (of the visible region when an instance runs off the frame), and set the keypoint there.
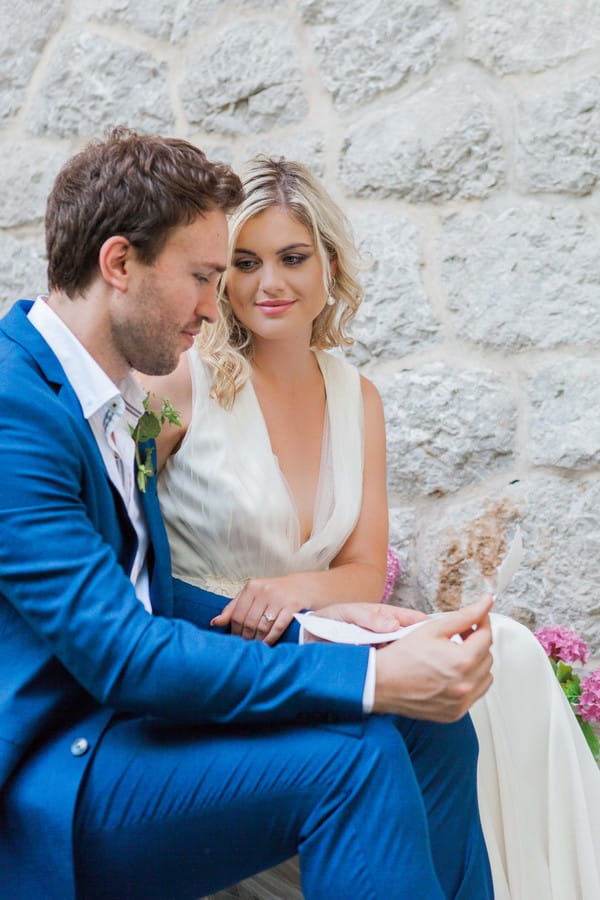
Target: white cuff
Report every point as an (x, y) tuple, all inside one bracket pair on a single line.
[(369, 688)]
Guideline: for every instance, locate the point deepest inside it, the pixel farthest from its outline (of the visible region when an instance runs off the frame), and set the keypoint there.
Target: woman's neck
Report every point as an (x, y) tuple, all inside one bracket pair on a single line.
[(284, 362)]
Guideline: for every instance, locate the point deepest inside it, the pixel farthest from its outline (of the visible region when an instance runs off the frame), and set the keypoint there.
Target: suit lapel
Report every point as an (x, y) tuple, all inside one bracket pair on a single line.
[(18, 327)]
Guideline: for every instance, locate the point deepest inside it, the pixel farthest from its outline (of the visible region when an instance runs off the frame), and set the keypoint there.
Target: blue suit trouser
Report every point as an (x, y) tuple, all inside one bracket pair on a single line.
[(381, 809)]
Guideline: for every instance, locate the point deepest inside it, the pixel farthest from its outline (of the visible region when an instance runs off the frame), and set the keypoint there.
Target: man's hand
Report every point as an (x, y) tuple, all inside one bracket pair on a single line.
[(425, 675)]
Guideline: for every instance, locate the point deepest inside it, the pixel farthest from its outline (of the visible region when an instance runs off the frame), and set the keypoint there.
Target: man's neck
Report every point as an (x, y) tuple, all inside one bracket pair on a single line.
[(88, 317)]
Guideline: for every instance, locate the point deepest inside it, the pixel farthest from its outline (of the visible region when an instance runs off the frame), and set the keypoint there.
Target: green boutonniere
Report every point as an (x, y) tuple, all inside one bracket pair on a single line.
[(148, 428)]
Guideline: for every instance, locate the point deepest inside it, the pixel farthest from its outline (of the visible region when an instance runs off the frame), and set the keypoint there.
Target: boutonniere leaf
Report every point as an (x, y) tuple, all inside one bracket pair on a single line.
[(148, 428)]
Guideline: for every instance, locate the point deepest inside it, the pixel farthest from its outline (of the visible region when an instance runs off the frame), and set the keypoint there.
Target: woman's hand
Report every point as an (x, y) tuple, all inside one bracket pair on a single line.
[(376, 617), (263, 609)]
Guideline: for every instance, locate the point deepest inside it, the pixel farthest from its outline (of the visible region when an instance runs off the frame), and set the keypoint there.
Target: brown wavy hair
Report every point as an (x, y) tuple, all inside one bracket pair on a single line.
[(129, 184)]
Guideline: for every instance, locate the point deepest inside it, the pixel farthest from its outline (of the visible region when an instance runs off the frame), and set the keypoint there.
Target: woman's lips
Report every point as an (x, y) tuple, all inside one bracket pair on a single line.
[(275, 307)]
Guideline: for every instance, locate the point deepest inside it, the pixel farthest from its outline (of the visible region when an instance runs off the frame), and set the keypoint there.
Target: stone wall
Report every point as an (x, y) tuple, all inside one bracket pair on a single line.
[(463, 139)]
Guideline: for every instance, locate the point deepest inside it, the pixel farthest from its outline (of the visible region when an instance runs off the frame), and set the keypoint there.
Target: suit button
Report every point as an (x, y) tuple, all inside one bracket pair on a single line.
[(79, 747)]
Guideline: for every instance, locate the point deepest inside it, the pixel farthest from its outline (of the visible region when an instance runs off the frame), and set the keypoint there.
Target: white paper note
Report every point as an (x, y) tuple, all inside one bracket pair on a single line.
[(510, 563), (346, 633)]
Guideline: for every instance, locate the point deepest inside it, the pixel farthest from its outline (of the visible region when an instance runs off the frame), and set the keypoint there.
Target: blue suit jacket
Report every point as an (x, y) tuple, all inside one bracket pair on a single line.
[(78, 647)]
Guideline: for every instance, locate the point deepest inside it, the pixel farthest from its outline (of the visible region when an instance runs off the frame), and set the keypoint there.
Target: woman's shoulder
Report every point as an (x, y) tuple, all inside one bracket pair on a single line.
[(335, 364), (369, 391)]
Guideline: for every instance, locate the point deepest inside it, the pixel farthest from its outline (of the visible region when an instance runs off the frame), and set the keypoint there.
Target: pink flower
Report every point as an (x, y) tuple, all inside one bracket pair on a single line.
[(392, 576), (589, 700), (561, 643)]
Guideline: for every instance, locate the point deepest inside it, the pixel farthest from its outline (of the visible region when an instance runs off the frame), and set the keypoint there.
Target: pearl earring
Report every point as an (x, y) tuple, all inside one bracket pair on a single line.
[(330, 288)]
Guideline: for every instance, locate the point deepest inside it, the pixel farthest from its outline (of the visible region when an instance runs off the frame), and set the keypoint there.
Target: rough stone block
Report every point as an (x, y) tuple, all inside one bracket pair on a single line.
[(93, 83), (445, 143), (306, 147), (462, 542), (559, 138), (233, 86), (22, 270), (155, 19), (395, 317), (402, 530), (22, 39), (364, 49), (565, 425), (528, 37), (526, 276), (446, 428), (27, 172)]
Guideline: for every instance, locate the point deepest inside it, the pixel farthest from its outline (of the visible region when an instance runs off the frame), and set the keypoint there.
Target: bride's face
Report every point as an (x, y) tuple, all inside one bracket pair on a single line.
[(275, 285)]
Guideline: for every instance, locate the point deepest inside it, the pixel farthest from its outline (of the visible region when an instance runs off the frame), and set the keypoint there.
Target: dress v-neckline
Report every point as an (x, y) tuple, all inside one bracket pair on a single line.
[(325, 441)]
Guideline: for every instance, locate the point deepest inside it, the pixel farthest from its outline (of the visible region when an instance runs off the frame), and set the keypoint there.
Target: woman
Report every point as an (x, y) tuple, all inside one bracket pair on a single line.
[(297, 449), (274, 494)]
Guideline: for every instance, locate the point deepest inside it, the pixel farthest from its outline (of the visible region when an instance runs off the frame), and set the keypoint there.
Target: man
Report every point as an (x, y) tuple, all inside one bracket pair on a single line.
[(140, 756)]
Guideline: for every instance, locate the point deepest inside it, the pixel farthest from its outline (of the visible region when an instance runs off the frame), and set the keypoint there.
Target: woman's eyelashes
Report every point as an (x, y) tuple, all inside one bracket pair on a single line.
[(295, 259), (249, 264), (245, 264)]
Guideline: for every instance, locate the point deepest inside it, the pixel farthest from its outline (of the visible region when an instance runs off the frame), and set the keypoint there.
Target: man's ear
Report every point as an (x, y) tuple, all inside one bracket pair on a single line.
[(116, 254)]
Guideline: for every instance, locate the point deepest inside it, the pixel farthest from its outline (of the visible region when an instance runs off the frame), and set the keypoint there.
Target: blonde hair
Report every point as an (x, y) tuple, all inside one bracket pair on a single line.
[(227, 344)]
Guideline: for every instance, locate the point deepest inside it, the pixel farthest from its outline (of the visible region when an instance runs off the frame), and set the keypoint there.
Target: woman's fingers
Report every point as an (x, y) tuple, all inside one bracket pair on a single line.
[(226, 614), (260, 611), (251, 618), (278, 626)]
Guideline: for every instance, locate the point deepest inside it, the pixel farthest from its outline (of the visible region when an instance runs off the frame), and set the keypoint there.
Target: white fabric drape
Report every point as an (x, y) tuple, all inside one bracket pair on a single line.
[(227, 507)]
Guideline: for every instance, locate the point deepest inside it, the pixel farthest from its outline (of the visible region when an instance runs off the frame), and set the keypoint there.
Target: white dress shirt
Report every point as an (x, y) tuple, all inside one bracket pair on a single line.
[(111, 410)]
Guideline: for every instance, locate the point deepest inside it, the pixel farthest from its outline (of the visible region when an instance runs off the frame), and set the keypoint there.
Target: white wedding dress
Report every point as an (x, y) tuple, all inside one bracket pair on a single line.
[(230, 516)]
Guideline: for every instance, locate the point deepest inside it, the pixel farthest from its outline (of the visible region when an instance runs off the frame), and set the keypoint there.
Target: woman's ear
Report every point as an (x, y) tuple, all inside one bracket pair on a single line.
[(333, 265), (115, 255)]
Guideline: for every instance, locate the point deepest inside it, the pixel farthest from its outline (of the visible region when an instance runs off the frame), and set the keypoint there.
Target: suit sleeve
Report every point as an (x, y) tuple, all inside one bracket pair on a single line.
[(65, 582)]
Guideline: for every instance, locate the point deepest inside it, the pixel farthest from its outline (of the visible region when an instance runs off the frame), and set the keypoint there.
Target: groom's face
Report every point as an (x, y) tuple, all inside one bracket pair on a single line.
[(167, 301)]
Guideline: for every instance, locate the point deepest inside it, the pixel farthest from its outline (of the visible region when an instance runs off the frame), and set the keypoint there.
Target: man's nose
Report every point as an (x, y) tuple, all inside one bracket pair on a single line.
[(207, 307)]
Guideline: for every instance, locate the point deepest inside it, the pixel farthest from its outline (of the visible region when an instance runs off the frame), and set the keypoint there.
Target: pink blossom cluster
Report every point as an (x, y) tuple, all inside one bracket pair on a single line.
[(392, 575), (589, 700), (562, 643)]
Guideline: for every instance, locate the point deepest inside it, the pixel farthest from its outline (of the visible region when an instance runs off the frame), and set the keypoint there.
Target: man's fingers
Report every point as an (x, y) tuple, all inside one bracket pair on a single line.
[(461, 621)]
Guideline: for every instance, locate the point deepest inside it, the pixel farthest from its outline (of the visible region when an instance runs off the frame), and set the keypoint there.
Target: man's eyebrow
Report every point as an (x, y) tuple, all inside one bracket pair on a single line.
[(213, 267)]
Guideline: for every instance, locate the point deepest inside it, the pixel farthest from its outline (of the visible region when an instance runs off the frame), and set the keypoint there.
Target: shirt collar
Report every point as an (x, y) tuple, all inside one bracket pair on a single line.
[(92, 386)]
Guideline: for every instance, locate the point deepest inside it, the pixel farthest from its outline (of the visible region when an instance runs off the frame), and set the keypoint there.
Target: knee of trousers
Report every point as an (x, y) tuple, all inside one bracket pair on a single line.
[(460, 740), (453, 741), (377, 743), (381, 748)]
